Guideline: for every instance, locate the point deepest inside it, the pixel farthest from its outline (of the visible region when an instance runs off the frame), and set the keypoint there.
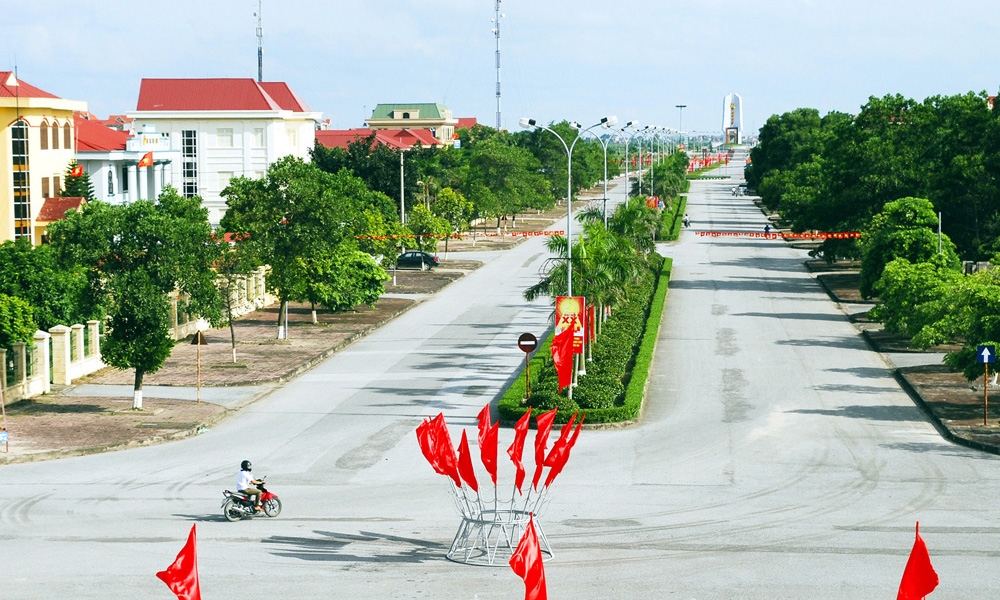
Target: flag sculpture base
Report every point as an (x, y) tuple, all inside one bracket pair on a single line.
[(488, 538), (492, 526)]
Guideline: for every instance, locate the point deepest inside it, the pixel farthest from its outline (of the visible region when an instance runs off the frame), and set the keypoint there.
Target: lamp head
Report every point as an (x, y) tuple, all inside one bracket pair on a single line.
[(609, 122), (631, 124), (526, 122), (575, 125)]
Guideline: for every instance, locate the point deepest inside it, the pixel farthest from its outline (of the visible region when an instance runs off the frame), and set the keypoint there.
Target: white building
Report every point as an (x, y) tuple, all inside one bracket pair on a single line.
[(111, 159), (732, 119), (223, 128)]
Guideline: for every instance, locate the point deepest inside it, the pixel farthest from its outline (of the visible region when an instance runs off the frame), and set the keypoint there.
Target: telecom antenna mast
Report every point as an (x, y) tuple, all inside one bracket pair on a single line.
[(496, 33), (260, 43)]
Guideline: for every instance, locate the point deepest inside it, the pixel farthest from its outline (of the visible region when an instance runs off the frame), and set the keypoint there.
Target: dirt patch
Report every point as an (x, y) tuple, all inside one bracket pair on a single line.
[(955, 404), (43, 426), (843, 287)]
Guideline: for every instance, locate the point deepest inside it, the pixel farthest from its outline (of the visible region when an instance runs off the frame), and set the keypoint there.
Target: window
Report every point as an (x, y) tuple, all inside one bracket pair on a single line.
[(111, 182), (406, 115), (56, 187), (258, 137), (43, 135), (45, 188), (67, 137), (224, 138), (189, 163), (293, 138), (55, 136), (21, 179), (124, 180)]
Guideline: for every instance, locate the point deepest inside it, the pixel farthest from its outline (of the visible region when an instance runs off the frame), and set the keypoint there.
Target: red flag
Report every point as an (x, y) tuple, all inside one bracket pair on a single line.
[(488, 447), (527, 563), (484, 421), (517, 447), (146, 160), (465, 468), (544, 424), (77, 171), (182, 576), (559, 460), (562, 356), (919, 578), (445, 450)]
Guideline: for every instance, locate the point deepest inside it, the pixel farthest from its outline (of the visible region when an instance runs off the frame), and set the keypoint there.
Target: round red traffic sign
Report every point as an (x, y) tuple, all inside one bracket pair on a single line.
[(527, 342)]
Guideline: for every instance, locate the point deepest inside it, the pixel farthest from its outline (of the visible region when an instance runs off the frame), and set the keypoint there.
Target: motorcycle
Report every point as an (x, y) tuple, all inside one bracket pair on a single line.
[(236, 506)]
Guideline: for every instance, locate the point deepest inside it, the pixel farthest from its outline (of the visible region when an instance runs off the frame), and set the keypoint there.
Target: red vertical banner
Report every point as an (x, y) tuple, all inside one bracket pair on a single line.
[(591, 323), (570, 312)]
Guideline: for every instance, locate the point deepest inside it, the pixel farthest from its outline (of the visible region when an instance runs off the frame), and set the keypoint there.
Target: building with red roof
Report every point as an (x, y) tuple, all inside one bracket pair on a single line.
[(36, 147), (111, 158), (397, 139), (224, 128)]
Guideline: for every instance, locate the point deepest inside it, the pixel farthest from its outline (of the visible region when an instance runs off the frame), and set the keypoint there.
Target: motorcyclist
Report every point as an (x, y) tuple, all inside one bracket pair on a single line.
[(245, 483)]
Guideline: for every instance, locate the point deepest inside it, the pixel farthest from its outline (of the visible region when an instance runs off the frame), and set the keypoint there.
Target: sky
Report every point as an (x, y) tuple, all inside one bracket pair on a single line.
[(578, 60)]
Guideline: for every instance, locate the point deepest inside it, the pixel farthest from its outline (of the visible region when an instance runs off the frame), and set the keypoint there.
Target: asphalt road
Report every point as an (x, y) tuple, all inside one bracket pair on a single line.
[(777, 458)]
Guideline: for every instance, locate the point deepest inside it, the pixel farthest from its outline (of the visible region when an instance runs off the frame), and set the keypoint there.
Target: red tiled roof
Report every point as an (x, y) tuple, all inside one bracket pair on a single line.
[(284, 96), (94, 137), (466, 122), (21, 90), (217, 94), (54, 209), (394, 138)]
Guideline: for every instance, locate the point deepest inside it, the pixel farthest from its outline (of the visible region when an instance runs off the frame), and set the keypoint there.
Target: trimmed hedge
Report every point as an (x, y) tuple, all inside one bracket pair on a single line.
[(615, 383), (672, 220)]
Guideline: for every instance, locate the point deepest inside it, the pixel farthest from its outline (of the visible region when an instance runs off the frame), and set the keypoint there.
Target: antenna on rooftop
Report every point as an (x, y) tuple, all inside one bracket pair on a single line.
[(496, 33), (260, 43)]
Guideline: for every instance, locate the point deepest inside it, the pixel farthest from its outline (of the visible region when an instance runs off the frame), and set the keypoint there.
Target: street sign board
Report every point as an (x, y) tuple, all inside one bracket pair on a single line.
[(527, 342), (4, 436), (986, 354)]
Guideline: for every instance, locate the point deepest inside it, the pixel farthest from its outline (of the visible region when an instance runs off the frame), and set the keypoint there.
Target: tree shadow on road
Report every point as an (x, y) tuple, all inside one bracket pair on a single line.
[(363, 547), (872, 413)]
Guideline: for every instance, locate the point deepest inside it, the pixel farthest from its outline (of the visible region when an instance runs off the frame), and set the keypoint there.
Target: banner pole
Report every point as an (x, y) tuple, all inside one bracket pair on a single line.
[(986, 393)]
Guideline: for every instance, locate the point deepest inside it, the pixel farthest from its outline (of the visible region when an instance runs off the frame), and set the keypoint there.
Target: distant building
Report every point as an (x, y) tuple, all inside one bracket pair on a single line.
[(223, 128), (732, 119), (111, 159), (36, 147), (397, 139), (435, 117)]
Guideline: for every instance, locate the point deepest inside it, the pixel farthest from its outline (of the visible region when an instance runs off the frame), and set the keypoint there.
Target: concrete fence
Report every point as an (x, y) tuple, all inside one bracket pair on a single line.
[(66, 353)]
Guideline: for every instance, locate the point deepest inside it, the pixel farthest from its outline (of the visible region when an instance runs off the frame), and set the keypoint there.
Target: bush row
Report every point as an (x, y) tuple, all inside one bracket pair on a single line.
[(613, 388), (671, 220)]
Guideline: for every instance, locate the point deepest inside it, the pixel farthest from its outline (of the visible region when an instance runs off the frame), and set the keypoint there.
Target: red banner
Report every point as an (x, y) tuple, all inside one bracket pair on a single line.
[(570, 313)]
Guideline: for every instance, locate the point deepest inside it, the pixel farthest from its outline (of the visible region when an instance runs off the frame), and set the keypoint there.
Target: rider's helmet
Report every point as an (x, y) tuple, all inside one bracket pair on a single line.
[(245, 465)]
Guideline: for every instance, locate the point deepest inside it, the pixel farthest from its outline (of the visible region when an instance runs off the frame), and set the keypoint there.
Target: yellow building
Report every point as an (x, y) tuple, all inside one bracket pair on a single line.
[(36, 145)]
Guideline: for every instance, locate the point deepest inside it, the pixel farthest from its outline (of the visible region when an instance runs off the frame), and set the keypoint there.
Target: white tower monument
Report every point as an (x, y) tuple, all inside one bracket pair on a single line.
[(732, 119)]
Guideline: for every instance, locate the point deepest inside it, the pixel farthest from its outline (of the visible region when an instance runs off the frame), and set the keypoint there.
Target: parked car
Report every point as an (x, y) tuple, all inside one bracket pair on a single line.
[(414, 259)]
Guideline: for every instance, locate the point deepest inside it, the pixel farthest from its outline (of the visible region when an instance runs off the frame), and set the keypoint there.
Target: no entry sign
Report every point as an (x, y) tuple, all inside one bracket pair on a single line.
[(527, 342)]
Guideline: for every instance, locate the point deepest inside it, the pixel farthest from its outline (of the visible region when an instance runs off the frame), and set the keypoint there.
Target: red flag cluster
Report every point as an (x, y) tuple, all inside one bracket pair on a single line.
[(562, 356), (436, 446)]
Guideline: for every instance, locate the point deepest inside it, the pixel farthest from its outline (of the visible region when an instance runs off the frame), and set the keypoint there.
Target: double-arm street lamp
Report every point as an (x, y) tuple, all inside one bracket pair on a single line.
[(528, 124), (606, 123), (628, 138)]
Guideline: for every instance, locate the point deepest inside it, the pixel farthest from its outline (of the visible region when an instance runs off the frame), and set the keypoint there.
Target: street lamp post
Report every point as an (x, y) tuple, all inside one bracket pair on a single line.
[(680, 117), (607, 123), (628, 139)]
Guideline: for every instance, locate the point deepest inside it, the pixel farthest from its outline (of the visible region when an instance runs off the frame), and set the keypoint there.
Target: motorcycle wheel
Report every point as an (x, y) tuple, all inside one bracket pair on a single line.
[(272, 507), (232, 512)]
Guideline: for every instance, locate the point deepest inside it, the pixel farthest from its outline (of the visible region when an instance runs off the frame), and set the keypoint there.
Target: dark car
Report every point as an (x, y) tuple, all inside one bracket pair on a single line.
[(414, 259)]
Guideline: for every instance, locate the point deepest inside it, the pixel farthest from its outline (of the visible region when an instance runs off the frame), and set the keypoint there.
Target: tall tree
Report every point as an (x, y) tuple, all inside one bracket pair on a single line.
[(135, 255), (77, 186), (58, 294), (302, 222)]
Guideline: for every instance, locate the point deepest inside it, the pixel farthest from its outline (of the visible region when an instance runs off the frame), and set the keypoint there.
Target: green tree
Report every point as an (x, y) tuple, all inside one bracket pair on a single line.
[(453, 208), (427, 227), (57, 294), (904, 229), (135, 255), (16, 323), (79, 186), (302, 222)]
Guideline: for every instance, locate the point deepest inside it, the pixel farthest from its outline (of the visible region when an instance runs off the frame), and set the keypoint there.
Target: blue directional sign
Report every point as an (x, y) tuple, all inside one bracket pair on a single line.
[(3, 437), (986, 354)]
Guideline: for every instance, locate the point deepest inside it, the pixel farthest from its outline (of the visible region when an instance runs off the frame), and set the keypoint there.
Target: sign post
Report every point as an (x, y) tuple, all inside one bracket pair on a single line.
[(527, 343), (986, 355)]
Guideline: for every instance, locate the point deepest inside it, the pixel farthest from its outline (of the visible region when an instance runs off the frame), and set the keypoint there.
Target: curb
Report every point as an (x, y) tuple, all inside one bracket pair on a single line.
[(943, 429)]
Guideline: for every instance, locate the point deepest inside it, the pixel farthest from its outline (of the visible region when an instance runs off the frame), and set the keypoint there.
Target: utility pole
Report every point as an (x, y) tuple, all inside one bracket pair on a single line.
[(496, 34), (680, 119), (260, 43)]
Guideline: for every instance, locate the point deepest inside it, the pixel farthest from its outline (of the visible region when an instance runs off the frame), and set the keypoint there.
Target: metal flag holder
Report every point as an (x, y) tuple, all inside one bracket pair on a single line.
[(492, 528), (489, 532)]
